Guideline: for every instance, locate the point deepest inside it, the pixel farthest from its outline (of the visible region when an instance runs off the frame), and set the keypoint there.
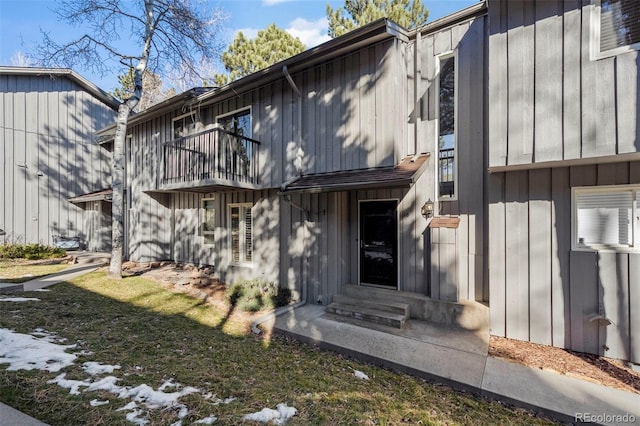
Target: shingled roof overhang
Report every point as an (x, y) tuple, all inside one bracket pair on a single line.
[(102, 195), (406, 173)]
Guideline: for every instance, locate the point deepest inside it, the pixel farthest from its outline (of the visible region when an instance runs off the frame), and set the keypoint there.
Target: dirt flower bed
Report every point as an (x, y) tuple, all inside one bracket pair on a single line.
[(199, 282), (606, 371)]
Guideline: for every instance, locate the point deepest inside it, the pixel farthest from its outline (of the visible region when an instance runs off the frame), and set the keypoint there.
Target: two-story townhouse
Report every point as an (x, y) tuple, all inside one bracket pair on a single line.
[(316, 173), (488, 158), (54, 173)]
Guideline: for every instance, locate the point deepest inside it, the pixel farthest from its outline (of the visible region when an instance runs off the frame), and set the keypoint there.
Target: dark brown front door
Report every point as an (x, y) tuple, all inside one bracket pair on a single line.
[(379, 243)]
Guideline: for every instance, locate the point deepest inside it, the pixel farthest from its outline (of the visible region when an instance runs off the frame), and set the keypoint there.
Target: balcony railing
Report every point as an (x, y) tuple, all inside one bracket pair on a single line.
[(446, 159), (210, 155)]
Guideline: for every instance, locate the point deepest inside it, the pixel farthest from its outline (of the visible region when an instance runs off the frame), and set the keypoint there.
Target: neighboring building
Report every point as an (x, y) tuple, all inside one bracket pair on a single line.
[(320, 173), (564, 158), (48, 121)]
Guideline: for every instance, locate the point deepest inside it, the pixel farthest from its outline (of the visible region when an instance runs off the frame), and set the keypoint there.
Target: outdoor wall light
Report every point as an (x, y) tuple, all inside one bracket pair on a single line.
[(427, 209)]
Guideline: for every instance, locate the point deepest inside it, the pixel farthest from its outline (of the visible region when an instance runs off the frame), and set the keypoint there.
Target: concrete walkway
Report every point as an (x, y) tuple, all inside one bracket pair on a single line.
[(11, 417), (461, 362), (86, 262)]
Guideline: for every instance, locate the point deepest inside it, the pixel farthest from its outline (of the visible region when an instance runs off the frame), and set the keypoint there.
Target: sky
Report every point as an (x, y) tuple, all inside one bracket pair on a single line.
[(21, 22)]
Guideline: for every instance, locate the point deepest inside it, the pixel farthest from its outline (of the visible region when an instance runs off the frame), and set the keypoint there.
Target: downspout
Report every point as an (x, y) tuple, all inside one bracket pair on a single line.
[(307, 215), (299, 154), (305, 260), (417, 79)]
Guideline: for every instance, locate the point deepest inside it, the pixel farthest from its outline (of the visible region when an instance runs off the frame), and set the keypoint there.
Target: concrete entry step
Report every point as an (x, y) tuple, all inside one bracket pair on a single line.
[(387, 305), (466, 314), (390, 315)]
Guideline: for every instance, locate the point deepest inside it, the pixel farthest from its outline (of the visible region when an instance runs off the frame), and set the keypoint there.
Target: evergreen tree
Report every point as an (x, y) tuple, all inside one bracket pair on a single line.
[(245, 56), (356, 13)]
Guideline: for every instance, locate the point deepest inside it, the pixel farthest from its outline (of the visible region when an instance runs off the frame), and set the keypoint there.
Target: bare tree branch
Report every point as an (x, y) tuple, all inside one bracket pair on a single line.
[(165, 34)]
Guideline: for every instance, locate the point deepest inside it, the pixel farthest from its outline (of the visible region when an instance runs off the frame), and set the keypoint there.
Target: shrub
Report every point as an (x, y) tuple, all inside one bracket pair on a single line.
[(30, 251), (257, 295)]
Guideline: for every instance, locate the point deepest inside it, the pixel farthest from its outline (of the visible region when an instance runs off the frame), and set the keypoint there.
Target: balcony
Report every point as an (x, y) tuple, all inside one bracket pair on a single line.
[(210, 160)]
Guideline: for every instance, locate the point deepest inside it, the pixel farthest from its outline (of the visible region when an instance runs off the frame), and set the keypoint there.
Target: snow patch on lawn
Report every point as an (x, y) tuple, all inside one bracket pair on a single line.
[(279, 416), (95, 368), (360, 375), (206, 421), (42, 350), (19, 299), (26, 352)]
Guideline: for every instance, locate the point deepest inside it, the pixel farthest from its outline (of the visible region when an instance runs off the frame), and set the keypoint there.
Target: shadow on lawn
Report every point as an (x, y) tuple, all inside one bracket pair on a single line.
[(156, 334)]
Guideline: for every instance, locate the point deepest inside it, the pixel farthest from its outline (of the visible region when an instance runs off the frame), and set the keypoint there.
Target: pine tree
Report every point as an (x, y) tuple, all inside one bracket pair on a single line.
[(356, 13), (246, 56)]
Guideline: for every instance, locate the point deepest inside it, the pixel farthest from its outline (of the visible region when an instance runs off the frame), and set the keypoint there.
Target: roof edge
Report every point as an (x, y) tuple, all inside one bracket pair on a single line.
[(468, 12), (90, 87)]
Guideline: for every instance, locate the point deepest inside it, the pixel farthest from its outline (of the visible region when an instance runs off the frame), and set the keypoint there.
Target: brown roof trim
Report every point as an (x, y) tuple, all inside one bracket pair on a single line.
[(102, 195), (406, 173)]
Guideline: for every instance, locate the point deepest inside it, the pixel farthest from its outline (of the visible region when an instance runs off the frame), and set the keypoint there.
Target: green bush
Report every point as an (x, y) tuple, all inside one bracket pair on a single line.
[(30, 251), (257, 295)]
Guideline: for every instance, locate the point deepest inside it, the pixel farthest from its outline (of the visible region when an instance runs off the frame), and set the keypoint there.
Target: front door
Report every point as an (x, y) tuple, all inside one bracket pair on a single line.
[(379, 243)]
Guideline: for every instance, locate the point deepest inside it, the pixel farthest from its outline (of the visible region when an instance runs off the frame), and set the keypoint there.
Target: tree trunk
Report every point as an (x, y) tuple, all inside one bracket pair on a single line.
[(117, 207)]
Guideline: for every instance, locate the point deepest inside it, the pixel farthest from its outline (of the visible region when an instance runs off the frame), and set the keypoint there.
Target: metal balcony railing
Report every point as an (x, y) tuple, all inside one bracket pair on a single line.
[(210, 155), (446, 178)]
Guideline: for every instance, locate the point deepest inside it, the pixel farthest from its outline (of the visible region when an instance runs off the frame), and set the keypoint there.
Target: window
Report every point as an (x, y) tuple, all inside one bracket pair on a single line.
[(208, 220), (184, 125), (617, 24), (193, 122), (447, 168), (234, 151), (238, 122), (605, 218), (240, 233)]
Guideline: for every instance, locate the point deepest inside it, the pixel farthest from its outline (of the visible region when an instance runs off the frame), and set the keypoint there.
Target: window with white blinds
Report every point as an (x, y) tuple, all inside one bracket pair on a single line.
[(240, 233), (605, 217), (619, 22)]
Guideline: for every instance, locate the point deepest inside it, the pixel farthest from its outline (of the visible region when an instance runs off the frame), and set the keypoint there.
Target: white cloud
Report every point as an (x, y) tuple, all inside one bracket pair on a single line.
[(248, 32), (272, 2), (311, 33)]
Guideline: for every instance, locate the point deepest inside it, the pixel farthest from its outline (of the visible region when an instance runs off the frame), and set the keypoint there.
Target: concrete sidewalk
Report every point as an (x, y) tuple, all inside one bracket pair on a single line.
[(85, 262), (463, 366), (11, 417)]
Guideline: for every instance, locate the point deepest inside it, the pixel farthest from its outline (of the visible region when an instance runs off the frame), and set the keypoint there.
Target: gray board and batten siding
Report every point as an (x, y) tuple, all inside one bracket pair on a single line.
[(48, 121), (559, 119), (457, 254)]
